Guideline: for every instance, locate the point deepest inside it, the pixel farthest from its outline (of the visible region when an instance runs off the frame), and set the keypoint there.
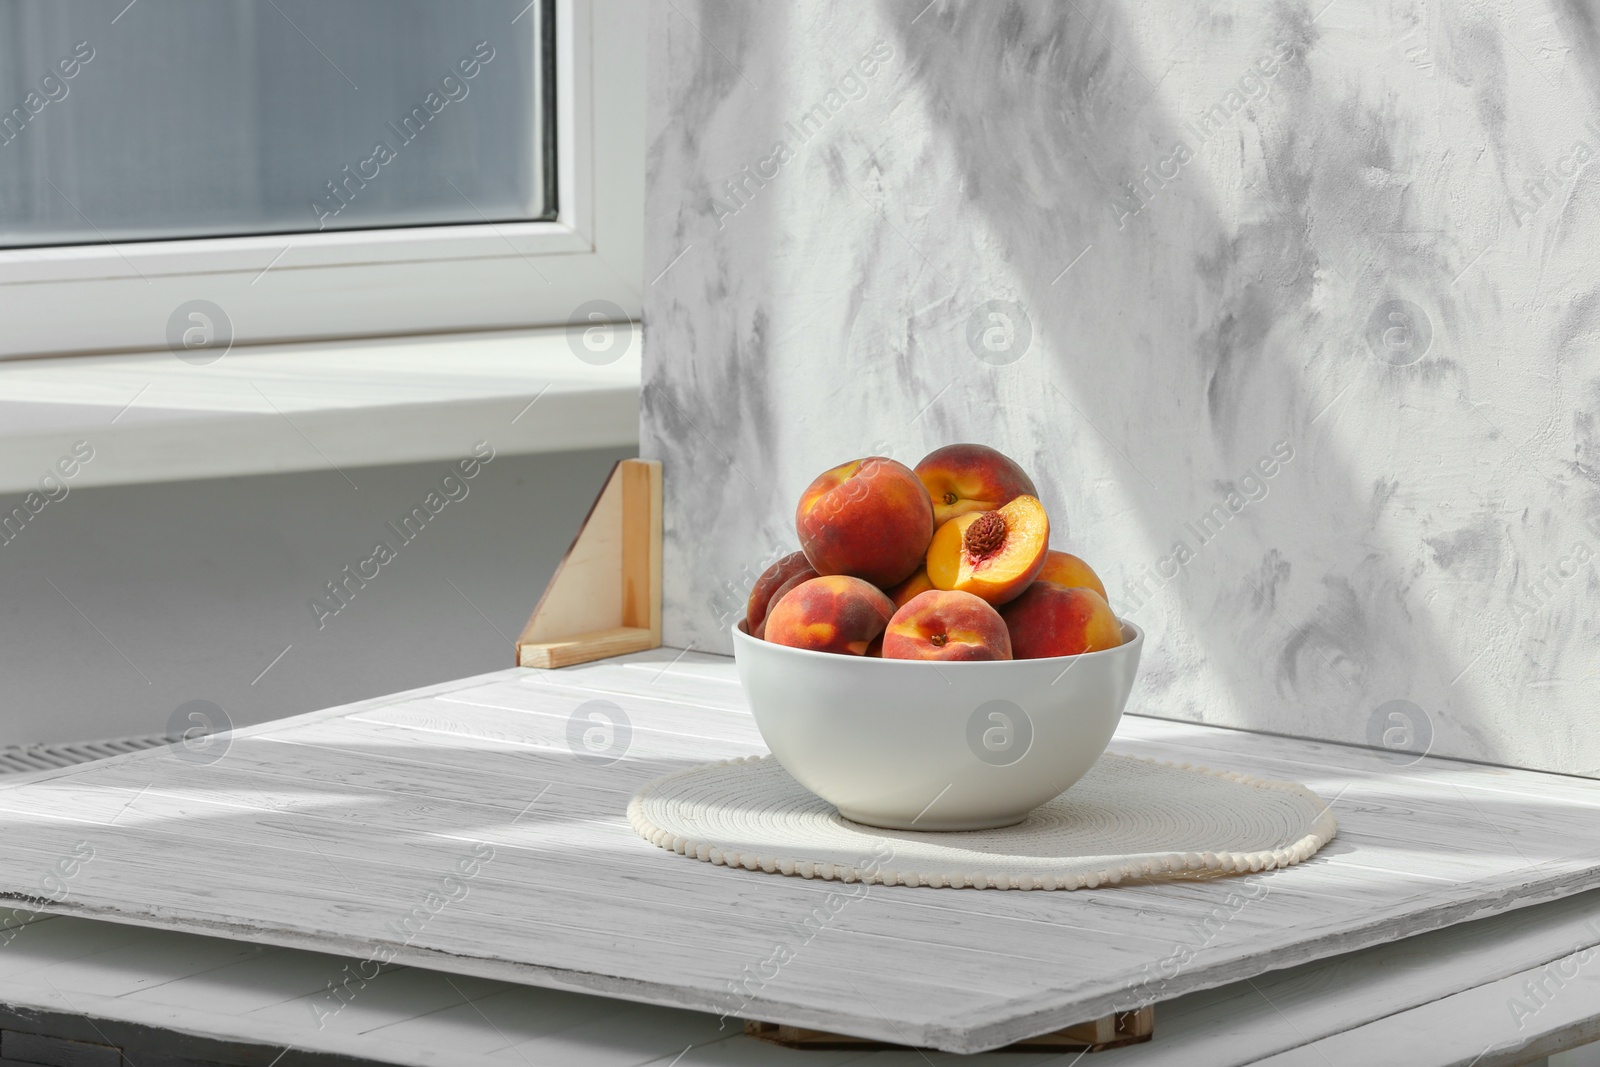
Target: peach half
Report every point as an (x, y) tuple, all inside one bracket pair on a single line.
[(756, 608), (965, 478), (1055, 620), (946, 626), (991, 554), (833, 613), (870, 519), (1064, 568)]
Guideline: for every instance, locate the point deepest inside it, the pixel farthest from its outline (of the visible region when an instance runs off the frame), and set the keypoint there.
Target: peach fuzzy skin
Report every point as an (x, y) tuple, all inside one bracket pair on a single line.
[(991, 554), (870, 519), (761, 594), (1064, 568), (917, 583), (1055, 620), (946, 626), (962, 479), (805, 575), (833, 613)]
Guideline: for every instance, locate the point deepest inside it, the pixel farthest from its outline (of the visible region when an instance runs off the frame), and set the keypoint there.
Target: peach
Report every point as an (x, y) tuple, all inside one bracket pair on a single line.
[(1055, 620), (917, 583), (937, 624), (870, 519), (760, 602), (833, 613), (992, 554), (962, 479), (779, 593), (1064, 568)]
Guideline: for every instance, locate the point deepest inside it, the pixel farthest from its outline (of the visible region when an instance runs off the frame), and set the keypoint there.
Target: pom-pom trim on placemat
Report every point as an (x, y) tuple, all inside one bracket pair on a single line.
[(749, 813)]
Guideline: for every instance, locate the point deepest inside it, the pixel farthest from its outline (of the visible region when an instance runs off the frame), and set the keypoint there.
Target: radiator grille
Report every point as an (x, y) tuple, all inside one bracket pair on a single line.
[(23, 759)]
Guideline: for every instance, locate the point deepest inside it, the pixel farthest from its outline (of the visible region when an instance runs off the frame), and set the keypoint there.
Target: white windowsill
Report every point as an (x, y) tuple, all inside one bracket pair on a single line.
[(151, 417)]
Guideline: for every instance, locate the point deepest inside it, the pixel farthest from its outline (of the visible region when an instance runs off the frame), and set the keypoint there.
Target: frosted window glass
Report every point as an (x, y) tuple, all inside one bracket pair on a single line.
[(195, 118)]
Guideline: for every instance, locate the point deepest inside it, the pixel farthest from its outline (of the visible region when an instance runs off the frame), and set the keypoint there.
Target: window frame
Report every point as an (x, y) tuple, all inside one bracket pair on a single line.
[(69, 299)]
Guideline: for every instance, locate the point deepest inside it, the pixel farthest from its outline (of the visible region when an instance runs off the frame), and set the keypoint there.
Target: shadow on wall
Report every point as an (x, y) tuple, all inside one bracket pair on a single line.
[(1224, 284), (1192, 299), (1236, 315)]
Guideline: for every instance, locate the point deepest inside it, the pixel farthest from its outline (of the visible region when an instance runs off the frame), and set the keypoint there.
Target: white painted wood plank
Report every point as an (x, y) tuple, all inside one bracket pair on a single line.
[(13, 918), (188, 816), (641, 1034), (606, 681), (1500, 1024), (1232, 1025), (232, 784), (1240, 1024), (146, 962), (197, 1020), (42, 945), (356, 810), (576, 932), (285, 839), (668, 738), (368, 998), (740, 1052), (483, 1025), (270, 978)]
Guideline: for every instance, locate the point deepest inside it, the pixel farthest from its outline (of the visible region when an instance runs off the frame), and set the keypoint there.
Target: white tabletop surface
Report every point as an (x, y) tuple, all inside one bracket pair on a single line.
[(321, 831)]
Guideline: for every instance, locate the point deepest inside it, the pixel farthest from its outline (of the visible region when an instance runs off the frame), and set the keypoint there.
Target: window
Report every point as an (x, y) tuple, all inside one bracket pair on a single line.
[(315, 168)]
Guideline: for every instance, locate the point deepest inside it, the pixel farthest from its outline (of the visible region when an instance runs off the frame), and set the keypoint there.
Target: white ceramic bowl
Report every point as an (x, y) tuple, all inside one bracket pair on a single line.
[(920, 745)]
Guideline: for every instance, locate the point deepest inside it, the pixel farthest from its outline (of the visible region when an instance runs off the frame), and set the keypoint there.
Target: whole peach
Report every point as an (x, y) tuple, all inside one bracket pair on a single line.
[(917, 583), (1057, 620), (1064, 568), (755, 609), (833, 613), (947, 626), (805, 575), (870, 518), (964, 478)]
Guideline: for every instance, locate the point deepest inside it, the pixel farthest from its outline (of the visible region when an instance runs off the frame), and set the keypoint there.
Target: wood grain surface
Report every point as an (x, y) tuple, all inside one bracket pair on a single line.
[(477, 828)]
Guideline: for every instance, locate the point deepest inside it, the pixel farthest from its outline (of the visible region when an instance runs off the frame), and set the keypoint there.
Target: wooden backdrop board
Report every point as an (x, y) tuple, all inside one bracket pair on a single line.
[(477, 828)]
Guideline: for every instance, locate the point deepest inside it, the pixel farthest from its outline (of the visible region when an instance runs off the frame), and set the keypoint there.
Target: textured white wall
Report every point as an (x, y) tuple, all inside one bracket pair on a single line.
[(1154, 251)]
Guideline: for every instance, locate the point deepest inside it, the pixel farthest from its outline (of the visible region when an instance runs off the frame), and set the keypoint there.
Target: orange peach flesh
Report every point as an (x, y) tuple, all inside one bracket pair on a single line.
[(992, 554), (833, 613), (1064, 568), (937, 624)]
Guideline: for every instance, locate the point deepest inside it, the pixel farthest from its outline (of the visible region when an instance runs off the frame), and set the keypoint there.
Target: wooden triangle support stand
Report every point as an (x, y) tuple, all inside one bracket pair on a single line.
[(605, 597)]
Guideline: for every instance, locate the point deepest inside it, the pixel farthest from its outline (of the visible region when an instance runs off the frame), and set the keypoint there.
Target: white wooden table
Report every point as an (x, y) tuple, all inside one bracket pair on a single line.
[(1434, 1000), (324, 832)]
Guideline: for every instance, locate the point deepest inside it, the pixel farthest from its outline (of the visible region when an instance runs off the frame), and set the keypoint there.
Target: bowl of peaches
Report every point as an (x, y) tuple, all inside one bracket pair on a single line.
[(927, 661)]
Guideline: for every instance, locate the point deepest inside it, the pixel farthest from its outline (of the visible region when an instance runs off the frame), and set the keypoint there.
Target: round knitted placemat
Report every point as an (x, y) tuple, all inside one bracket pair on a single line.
[(1126, 819)]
